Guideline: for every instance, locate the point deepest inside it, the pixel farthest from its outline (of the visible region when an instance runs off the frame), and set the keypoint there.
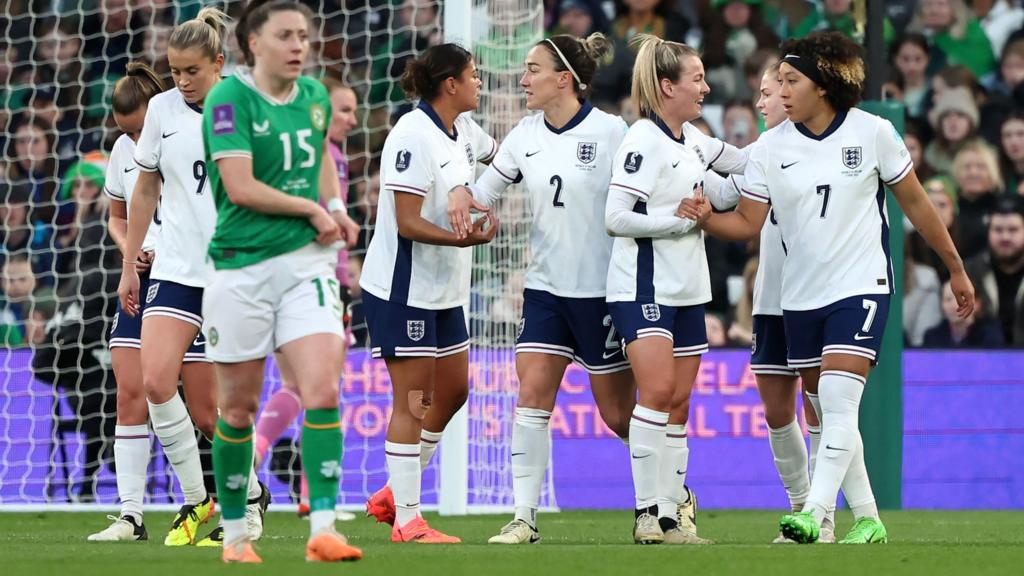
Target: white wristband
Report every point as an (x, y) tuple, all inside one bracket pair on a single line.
[(335, 205)]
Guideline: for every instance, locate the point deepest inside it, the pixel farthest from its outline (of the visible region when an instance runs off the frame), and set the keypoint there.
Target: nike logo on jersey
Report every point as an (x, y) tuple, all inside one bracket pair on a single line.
[(127, 170), (784, 165), (830, 447), (859, 337), (169, 134), (635, 457), (514, 454), (528, 154), (675, 164), (681, 472), (446, 163)]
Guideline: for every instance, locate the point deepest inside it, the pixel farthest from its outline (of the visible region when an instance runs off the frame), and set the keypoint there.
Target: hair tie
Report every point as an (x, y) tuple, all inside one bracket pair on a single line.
[(806, 68)]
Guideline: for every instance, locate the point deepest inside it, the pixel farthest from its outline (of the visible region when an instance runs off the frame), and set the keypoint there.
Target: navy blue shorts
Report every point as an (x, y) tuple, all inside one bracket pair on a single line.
[(126, 331), (401, 330), (768, 350), (683, 325), (852, 325), (579, 329)]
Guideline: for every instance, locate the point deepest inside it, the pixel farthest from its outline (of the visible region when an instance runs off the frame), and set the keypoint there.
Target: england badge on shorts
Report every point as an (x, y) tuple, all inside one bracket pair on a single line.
[(151, 293), (415, 329), (652, 312)]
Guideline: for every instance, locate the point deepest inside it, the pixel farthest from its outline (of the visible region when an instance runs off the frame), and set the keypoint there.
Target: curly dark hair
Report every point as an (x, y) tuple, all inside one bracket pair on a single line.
[(840, 62)]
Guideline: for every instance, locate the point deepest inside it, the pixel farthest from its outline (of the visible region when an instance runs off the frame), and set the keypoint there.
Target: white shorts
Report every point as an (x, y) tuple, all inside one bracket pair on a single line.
[(252, 311)]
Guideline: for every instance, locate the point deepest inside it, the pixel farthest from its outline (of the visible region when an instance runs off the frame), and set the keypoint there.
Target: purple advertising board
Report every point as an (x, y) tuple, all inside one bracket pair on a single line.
[(963, 435)]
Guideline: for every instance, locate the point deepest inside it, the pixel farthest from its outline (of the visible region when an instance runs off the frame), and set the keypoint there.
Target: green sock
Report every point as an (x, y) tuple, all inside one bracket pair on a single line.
[(232, 460), (321, 456)]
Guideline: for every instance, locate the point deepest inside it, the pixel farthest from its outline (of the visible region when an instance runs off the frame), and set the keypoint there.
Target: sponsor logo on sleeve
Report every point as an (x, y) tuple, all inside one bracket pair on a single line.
[(403, 160), (223, 119)]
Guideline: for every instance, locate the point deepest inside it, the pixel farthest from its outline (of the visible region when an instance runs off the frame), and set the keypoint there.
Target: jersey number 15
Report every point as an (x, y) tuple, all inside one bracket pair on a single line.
[(302, 141)]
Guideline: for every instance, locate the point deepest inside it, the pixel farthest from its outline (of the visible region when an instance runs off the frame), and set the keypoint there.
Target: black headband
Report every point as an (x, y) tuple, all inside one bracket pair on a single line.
[(806, 67)]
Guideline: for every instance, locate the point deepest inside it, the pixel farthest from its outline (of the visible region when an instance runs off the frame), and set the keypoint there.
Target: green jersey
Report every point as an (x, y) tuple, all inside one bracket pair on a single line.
[(285, 141)]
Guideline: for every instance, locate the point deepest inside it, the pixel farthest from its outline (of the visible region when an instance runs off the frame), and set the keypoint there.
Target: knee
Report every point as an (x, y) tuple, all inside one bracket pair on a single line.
[(322, 397), (206, 423), (131, 407), (617, 419), (659, 396), (778, 414), (158, 388), (238, 415)]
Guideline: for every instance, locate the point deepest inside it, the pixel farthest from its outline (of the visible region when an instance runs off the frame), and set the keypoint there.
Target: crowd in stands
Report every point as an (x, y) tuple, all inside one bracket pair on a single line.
[(956, 65)]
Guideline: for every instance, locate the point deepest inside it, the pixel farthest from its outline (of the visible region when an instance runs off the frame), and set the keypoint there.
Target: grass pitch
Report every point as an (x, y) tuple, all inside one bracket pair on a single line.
[(927, 543)]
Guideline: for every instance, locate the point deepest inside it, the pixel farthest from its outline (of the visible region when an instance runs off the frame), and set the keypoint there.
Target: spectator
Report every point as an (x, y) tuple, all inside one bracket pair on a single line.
[(741, 331), (942, 192), (115, 38), (1006, 91), (628, 110), (418, 28), (733, 31), (836, 15), (1011, 153), (999, 19), (18, 283), (714, 324), (84, 244), (343, 119), (15, 231), (914, 141), (976, 172), (910, 56), (957, 36), (12, 90), (358, 319), (740, 123), (656, 17), (955, 121), (33, 164), (580, 18), (976, 331), (156, 39), (999, 272), (921, 308)]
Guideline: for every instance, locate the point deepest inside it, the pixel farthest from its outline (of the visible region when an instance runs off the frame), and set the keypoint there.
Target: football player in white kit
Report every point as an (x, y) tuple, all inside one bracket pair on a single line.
[(131, 436), (777, 383), (658, 280), (563, 156), (172, 172), (416, 278), (824, 176)]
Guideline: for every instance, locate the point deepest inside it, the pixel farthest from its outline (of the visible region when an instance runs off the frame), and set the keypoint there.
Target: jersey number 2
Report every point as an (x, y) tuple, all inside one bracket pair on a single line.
[(302, 138), (556, 181)]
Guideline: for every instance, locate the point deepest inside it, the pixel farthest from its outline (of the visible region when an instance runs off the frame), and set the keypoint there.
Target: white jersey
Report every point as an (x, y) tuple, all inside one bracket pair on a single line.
[(421, 158), (661, 171), (566, 172), (724, 194), (171, 143), (122, 173), (828, 197)]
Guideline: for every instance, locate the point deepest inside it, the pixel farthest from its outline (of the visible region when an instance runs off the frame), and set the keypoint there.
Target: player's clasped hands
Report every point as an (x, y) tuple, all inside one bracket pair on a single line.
[(460, 202), (327, 229), (697, 209), (128, 289), (482, 231)]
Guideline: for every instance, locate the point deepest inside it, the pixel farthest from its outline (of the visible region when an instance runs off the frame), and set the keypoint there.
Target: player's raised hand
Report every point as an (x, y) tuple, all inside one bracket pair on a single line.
[(483, 230), (128, 289), (963, 290), (460, 202), (327, 230)]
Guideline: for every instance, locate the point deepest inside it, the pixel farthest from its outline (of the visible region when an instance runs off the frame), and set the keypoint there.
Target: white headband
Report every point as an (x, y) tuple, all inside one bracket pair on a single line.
[(567, 65)]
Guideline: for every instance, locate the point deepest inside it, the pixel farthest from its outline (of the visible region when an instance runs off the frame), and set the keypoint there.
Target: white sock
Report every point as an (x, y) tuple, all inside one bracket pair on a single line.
[(254, 484), (172, 425), (234, 530), (131, 458), (403, 462), (646, 444), (840, 394), (675, 458), (320, 520), (531, 448), (814, 434), (857, 486), (790, 454), (428, 445)]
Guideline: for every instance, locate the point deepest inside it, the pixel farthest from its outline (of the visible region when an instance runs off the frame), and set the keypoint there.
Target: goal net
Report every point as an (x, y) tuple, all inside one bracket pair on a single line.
[(58, 64)]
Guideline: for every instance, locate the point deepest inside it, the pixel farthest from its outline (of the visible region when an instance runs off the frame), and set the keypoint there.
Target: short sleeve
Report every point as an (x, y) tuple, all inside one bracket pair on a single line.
[(113, 186), (755, 186), (484, 146), (894, 161), (409, 165), (148, 148), (227, 125), (636, 167)]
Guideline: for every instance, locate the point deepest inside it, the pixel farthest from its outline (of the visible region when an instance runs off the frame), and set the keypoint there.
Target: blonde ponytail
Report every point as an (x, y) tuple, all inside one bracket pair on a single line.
[(656, 60), (206, 32)]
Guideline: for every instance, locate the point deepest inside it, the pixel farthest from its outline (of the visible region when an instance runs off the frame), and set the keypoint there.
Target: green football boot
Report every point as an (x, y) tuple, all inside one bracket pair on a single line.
[(800, 527), (866, 531)]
